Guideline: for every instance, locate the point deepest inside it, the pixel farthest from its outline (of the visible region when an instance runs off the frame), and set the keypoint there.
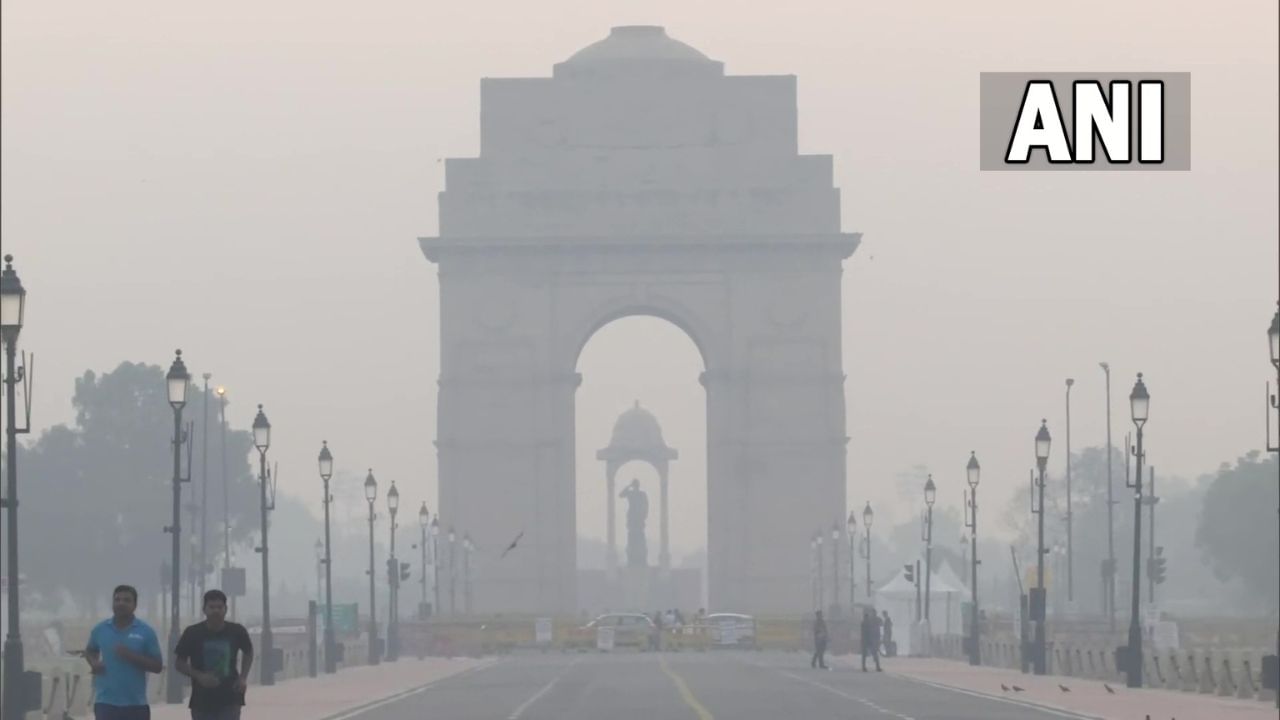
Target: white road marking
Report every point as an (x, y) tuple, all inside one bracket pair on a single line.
[(847, 696), (545, 689), (357, 711)]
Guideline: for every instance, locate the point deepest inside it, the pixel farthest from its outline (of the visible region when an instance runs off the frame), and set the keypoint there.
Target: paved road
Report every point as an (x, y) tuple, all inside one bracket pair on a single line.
[(686, 686)]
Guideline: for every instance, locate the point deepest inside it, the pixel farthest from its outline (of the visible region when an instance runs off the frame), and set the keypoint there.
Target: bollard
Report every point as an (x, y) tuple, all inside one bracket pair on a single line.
[(1208, 685), (1226, 684), (1247, 689)]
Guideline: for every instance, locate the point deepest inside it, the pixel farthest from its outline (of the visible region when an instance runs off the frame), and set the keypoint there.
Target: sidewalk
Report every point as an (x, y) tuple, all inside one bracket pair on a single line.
[(1086, 697), (327, 695)]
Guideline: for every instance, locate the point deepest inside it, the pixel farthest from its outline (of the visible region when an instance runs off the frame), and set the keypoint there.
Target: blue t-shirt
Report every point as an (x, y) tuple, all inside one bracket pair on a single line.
[(123, 684)]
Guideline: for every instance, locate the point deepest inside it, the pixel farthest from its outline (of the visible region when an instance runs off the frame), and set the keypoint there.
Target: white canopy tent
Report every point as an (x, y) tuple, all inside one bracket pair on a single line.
[(898, 598)]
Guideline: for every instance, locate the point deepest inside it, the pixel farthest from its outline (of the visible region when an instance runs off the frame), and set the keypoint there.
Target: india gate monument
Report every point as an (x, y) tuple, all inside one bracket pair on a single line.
[(640, 179)]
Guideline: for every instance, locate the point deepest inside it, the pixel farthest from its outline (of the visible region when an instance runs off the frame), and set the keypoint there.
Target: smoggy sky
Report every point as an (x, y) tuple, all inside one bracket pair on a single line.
[(246, 180)]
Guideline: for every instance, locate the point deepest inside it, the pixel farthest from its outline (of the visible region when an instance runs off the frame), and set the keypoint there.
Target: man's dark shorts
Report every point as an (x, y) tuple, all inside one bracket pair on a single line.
[(121, 712), (225, 713)]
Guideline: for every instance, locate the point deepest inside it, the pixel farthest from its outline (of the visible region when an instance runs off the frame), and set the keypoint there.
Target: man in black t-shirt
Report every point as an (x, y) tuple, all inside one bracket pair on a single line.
[(206, 653)]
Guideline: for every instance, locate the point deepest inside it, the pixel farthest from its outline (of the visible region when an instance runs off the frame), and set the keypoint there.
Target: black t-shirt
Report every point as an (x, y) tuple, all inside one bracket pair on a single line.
[(215, 652)]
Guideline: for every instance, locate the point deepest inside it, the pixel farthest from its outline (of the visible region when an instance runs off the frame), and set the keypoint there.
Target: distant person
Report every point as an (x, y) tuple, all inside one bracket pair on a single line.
[(819, 642), (121, 651), (207, 653), (887, 625), (870, 639)]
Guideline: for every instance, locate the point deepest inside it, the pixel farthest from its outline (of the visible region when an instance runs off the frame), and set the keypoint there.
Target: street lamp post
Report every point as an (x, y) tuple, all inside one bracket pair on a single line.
[(867, 517), (393, 579), (1109, 568), (13, 300), (424, 522), (466, 573), (1038, 603), (835, 569), (1071, 585), (813, 573), (330, 648), (973, 472), (203, 561), (176, 380), (435, 561), (262, 441), (1273, 343), (822, 586), (453, 574), (226, 493), (1139, 404), (930, 494), (852, 526), (370, 495)]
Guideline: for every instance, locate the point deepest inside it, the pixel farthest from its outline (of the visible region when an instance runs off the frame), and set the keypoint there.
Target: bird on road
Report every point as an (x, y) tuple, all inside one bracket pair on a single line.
[(512, 546), (1109, 690), (1004, 687), (1018, 689), (1064, 688)]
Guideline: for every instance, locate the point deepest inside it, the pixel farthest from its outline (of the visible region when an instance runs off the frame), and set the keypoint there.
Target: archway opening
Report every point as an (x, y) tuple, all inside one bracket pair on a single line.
[(639, 377)]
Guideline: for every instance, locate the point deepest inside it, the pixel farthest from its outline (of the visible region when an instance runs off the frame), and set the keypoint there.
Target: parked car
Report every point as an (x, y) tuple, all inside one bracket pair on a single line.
[(629, 629), (731, 630)]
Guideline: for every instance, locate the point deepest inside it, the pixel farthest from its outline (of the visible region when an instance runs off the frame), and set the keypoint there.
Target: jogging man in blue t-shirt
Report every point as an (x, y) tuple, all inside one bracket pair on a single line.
[(121, 651)]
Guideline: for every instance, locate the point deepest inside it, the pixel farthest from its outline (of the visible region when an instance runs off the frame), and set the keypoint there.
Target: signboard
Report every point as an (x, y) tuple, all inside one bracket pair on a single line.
[(233, 581), (345, 617), (542, 631), (604, 637)]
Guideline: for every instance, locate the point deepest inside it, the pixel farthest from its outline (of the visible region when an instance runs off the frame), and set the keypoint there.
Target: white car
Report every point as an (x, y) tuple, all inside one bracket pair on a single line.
[(731, 629)]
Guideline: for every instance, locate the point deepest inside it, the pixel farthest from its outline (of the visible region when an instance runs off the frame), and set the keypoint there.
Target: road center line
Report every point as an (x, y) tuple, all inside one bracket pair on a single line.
[(545, 689), (685, 693)]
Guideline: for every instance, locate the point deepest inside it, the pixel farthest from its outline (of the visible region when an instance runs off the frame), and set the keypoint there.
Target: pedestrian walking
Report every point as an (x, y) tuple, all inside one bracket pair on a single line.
[(870, 639), (207, 653), (819, 642), (887, 632), (121, 651)]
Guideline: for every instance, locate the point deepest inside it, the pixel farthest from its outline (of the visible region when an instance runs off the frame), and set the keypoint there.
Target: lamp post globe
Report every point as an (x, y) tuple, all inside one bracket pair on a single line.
[(1139, 402), (424, 515), (370, 487), (867, 516), (1043, 441), (261, 431), (393, 498), (325, 461), (973, 471), (176, 380), (1273, 338), (13, 301), (930, 491)]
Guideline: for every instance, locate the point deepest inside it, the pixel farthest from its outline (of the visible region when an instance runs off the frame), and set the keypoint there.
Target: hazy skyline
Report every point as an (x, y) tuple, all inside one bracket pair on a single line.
[(247, 182)]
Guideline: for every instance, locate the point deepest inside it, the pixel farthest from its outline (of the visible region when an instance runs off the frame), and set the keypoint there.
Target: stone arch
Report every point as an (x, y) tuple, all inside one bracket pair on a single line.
[(639, 179)]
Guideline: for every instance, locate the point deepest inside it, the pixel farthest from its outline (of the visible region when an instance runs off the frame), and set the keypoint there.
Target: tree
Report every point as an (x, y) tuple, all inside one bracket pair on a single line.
[(1237, 529), (97, 495)]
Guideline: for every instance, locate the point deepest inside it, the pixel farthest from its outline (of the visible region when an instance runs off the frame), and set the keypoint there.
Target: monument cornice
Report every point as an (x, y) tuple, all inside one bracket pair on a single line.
[(437, 248)]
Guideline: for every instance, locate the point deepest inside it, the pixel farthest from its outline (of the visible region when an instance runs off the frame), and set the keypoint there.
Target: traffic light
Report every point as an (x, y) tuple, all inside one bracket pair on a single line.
[(404, 571), (910, 570), (1156, 566), (392, 576)]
